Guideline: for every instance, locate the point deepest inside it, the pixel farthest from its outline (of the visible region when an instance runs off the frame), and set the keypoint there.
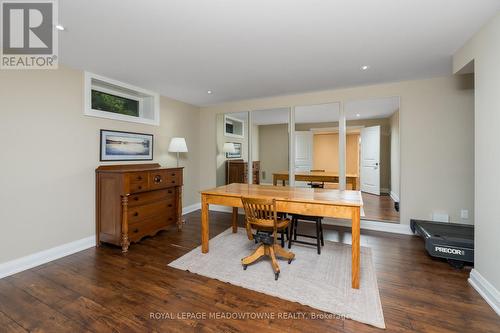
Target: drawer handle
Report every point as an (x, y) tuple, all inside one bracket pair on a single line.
[(136, 198), (157, 179), (173, 174), (139, 177), (173, 181), (169, 191), (169, 205), (170, 219), (139, 187), (136, 214), (136, 230)]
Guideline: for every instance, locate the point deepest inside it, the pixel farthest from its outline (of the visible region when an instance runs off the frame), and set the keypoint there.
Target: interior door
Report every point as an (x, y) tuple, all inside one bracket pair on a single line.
[(370, 160), (303, 153)]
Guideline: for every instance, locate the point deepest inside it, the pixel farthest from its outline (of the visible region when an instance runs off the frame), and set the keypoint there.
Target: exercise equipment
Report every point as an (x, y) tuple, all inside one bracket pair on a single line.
[(451, 241)]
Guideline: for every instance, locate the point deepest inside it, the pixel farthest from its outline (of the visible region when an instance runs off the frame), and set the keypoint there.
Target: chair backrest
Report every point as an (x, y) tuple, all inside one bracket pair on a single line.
[(260, 213)]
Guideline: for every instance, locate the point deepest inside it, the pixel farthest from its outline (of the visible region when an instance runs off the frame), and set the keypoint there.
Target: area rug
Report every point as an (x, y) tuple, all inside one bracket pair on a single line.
[(321, 281)]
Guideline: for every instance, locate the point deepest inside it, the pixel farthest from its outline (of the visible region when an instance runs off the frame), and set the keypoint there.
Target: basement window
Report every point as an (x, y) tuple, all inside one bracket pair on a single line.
[(111, 99)]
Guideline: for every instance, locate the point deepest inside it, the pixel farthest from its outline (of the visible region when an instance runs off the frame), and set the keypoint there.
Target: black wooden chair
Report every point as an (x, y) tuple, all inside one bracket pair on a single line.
[(292, 238), (317, 184), (316, 219)]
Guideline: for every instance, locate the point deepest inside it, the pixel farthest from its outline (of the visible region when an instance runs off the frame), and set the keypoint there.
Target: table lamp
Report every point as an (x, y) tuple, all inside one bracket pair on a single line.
[(178, 145)]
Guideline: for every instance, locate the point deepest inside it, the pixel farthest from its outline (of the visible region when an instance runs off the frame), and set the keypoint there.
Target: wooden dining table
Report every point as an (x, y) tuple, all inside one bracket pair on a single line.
[(293, 200), (315, 176)]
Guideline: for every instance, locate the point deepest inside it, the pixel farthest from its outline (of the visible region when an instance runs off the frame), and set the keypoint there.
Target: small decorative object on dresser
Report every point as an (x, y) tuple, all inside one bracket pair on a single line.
[(136, 200)]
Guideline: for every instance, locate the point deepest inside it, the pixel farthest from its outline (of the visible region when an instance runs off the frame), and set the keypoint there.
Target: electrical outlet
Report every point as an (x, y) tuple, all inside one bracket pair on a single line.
[(440, 217), (464, 214)]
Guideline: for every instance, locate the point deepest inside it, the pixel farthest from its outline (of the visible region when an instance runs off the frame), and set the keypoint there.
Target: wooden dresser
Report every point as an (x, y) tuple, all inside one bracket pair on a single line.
[(237, 172), (136, 200)]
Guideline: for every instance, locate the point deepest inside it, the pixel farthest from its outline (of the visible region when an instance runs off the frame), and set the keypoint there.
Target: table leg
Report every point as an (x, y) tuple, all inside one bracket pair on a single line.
[(284, 182), (275, 181), (355, 247), (204, 224), (235, 220)]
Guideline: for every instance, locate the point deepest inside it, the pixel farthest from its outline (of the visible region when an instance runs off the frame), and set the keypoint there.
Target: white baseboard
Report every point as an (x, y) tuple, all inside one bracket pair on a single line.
[(395, 228), (225, 209), (487, 291), (45, 256), (215, 208), (191, 208), (394, 196)]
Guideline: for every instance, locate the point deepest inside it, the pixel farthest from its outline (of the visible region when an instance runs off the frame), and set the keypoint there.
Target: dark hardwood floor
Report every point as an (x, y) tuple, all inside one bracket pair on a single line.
[(102, 290), (379, 208)]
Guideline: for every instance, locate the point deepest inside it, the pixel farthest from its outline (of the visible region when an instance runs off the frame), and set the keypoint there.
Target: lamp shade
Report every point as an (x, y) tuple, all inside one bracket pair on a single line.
[(228, 148), (178, 145)]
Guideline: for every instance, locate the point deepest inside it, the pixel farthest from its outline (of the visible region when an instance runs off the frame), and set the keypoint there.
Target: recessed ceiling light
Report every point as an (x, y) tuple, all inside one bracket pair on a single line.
[(209, 92), (59, 27), (358, 115), (364, 67)]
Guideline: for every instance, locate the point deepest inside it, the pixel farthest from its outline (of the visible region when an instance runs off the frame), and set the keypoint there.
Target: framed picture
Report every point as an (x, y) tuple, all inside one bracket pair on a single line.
[(237, 151), (126, 146)]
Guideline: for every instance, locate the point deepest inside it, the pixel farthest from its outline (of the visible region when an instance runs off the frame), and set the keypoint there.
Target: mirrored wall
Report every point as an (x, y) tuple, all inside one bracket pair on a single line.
[(316, 145), (232, 148), (351, 146), (270, 148), (373, 125)]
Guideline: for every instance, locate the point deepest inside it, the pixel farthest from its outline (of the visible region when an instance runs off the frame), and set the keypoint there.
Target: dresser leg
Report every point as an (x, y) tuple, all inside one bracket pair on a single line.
[(125, 241), (180, 222)]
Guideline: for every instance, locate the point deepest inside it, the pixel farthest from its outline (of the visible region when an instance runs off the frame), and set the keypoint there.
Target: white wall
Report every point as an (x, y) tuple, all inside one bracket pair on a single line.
[(484, 50), (50, 151), (436, 117)]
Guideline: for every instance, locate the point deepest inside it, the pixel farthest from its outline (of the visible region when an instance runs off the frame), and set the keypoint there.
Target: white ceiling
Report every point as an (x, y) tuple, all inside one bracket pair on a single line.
[(371, 108), (247, 49), (322, 113)]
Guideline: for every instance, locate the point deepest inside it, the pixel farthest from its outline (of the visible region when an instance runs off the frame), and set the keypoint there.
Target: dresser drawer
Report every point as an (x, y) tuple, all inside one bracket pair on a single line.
[(149, 227), (141, 213), (174, 178), (138, 181), (140, 199), (164, 178)]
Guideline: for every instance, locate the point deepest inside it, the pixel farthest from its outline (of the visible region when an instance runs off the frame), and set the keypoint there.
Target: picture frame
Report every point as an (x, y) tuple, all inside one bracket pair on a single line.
[(237, 153), (125, 146)]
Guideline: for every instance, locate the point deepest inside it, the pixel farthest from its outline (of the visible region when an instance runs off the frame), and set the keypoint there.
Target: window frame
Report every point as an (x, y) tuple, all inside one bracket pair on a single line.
[(141, 94), (232, 135)]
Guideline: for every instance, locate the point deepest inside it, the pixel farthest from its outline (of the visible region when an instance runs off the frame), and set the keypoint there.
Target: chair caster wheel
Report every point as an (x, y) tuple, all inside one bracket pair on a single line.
[(276, 276), (245, 267), (290, 261)]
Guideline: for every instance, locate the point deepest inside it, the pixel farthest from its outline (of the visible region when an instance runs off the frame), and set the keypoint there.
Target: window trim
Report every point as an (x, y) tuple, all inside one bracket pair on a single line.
[(231, 135), (88, 111)]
